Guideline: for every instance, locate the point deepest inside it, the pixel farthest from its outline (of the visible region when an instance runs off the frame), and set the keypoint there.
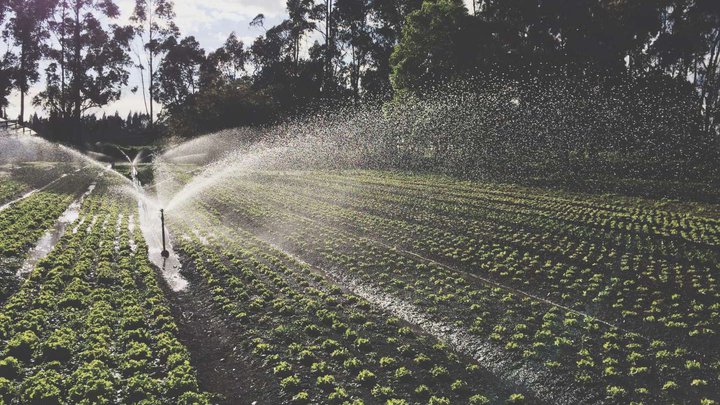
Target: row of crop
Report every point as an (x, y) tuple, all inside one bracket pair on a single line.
[(9, 190), (515, 263), (639, 212), (418, 210), (33, 175), (550, 223), (635, 220), (24, 222), (90, 325), (679, 301), (623, 364), (321, 344)]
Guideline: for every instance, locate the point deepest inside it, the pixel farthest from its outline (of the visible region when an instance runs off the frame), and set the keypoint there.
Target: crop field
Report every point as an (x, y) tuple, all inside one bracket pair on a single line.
[(89, 323), (352, 287), (455, 292)]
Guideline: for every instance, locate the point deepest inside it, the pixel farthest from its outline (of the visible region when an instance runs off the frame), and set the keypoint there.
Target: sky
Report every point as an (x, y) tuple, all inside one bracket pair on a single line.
[(210, 21)]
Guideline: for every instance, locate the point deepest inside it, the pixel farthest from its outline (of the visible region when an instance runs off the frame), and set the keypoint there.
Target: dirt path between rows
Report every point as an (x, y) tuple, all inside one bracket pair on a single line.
[(215, 351)]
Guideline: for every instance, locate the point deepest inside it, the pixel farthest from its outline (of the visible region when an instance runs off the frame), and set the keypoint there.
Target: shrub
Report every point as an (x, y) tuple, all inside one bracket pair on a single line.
[(7, 390), (312, 330), (22, 344), (381, 392), (458, 385), (366, 377), (387, 362), (692, 365), (181, 379), (43, 389), (9, 368), (363, 344), (5, 326), (338, 395), (670, 386), (326, 381), (290, 384), (301, 398), (193, 398), (319, 367), (402, 373), (422, 360), (329, 345), (615, 392), (58, 346), (306, 357), (283, 369), (438, 401), (439, 372), (93, 382), (478, 400), (142, 386)]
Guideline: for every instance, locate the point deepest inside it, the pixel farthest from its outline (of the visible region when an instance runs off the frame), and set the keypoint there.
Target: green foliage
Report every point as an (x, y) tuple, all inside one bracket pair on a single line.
[(43, 388), (22, 345), (431, 47), (10, 368)]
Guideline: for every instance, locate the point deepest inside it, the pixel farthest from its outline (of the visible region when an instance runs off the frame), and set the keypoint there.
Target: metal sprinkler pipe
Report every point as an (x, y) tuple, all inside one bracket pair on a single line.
[(164, 252)]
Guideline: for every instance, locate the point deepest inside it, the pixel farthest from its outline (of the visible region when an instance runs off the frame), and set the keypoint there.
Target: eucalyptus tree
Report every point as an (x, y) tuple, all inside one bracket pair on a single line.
[(231, 58), (430, 50), (178, 77), (89, 65), (388, 18), (7, 64), (153, 21), (299, 12), (355, 31), (28, 28)]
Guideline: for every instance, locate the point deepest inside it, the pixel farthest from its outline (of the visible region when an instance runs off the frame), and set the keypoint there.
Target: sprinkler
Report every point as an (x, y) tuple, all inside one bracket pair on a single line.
[(164, 252)]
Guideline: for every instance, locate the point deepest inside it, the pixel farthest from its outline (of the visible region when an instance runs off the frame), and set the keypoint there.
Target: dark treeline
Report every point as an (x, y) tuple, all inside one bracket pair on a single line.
[(628, 56)]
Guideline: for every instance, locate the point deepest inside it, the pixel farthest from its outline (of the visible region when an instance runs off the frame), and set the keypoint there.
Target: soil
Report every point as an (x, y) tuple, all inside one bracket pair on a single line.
[(214, 349)]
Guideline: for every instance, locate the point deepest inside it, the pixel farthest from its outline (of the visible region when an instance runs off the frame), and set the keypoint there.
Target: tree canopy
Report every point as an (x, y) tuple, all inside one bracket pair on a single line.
[(351, 52)]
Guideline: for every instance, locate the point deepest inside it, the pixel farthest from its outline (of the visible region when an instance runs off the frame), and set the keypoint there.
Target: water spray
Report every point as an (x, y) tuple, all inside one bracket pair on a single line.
[(164, 252)]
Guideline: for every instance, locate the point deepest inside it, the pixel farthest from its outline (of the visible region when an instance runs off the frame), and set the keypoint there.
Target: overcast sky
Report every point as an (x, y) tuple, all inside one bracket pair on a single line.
[(210, 21)]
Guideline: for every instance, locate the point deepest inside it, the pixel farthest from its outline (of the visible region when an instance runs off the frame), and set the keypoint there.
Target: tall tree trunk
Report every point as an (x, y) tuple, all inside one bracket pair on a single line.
[(22, 106), (63, 38), (152, 73), (328, 44), (77, 73), (23, 82), (710, 86)]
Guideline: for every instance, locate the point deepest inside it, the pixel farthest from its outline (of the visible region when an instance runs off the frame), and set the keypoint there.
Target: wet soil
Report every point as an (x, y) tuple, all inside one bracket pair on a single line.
[(215, 350)]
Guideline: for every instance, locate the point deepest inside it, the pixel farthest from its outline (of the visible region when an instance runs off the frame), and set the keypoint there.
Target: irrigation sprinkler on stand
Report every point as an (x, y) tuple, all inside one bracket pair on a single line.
[(164, 252)]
